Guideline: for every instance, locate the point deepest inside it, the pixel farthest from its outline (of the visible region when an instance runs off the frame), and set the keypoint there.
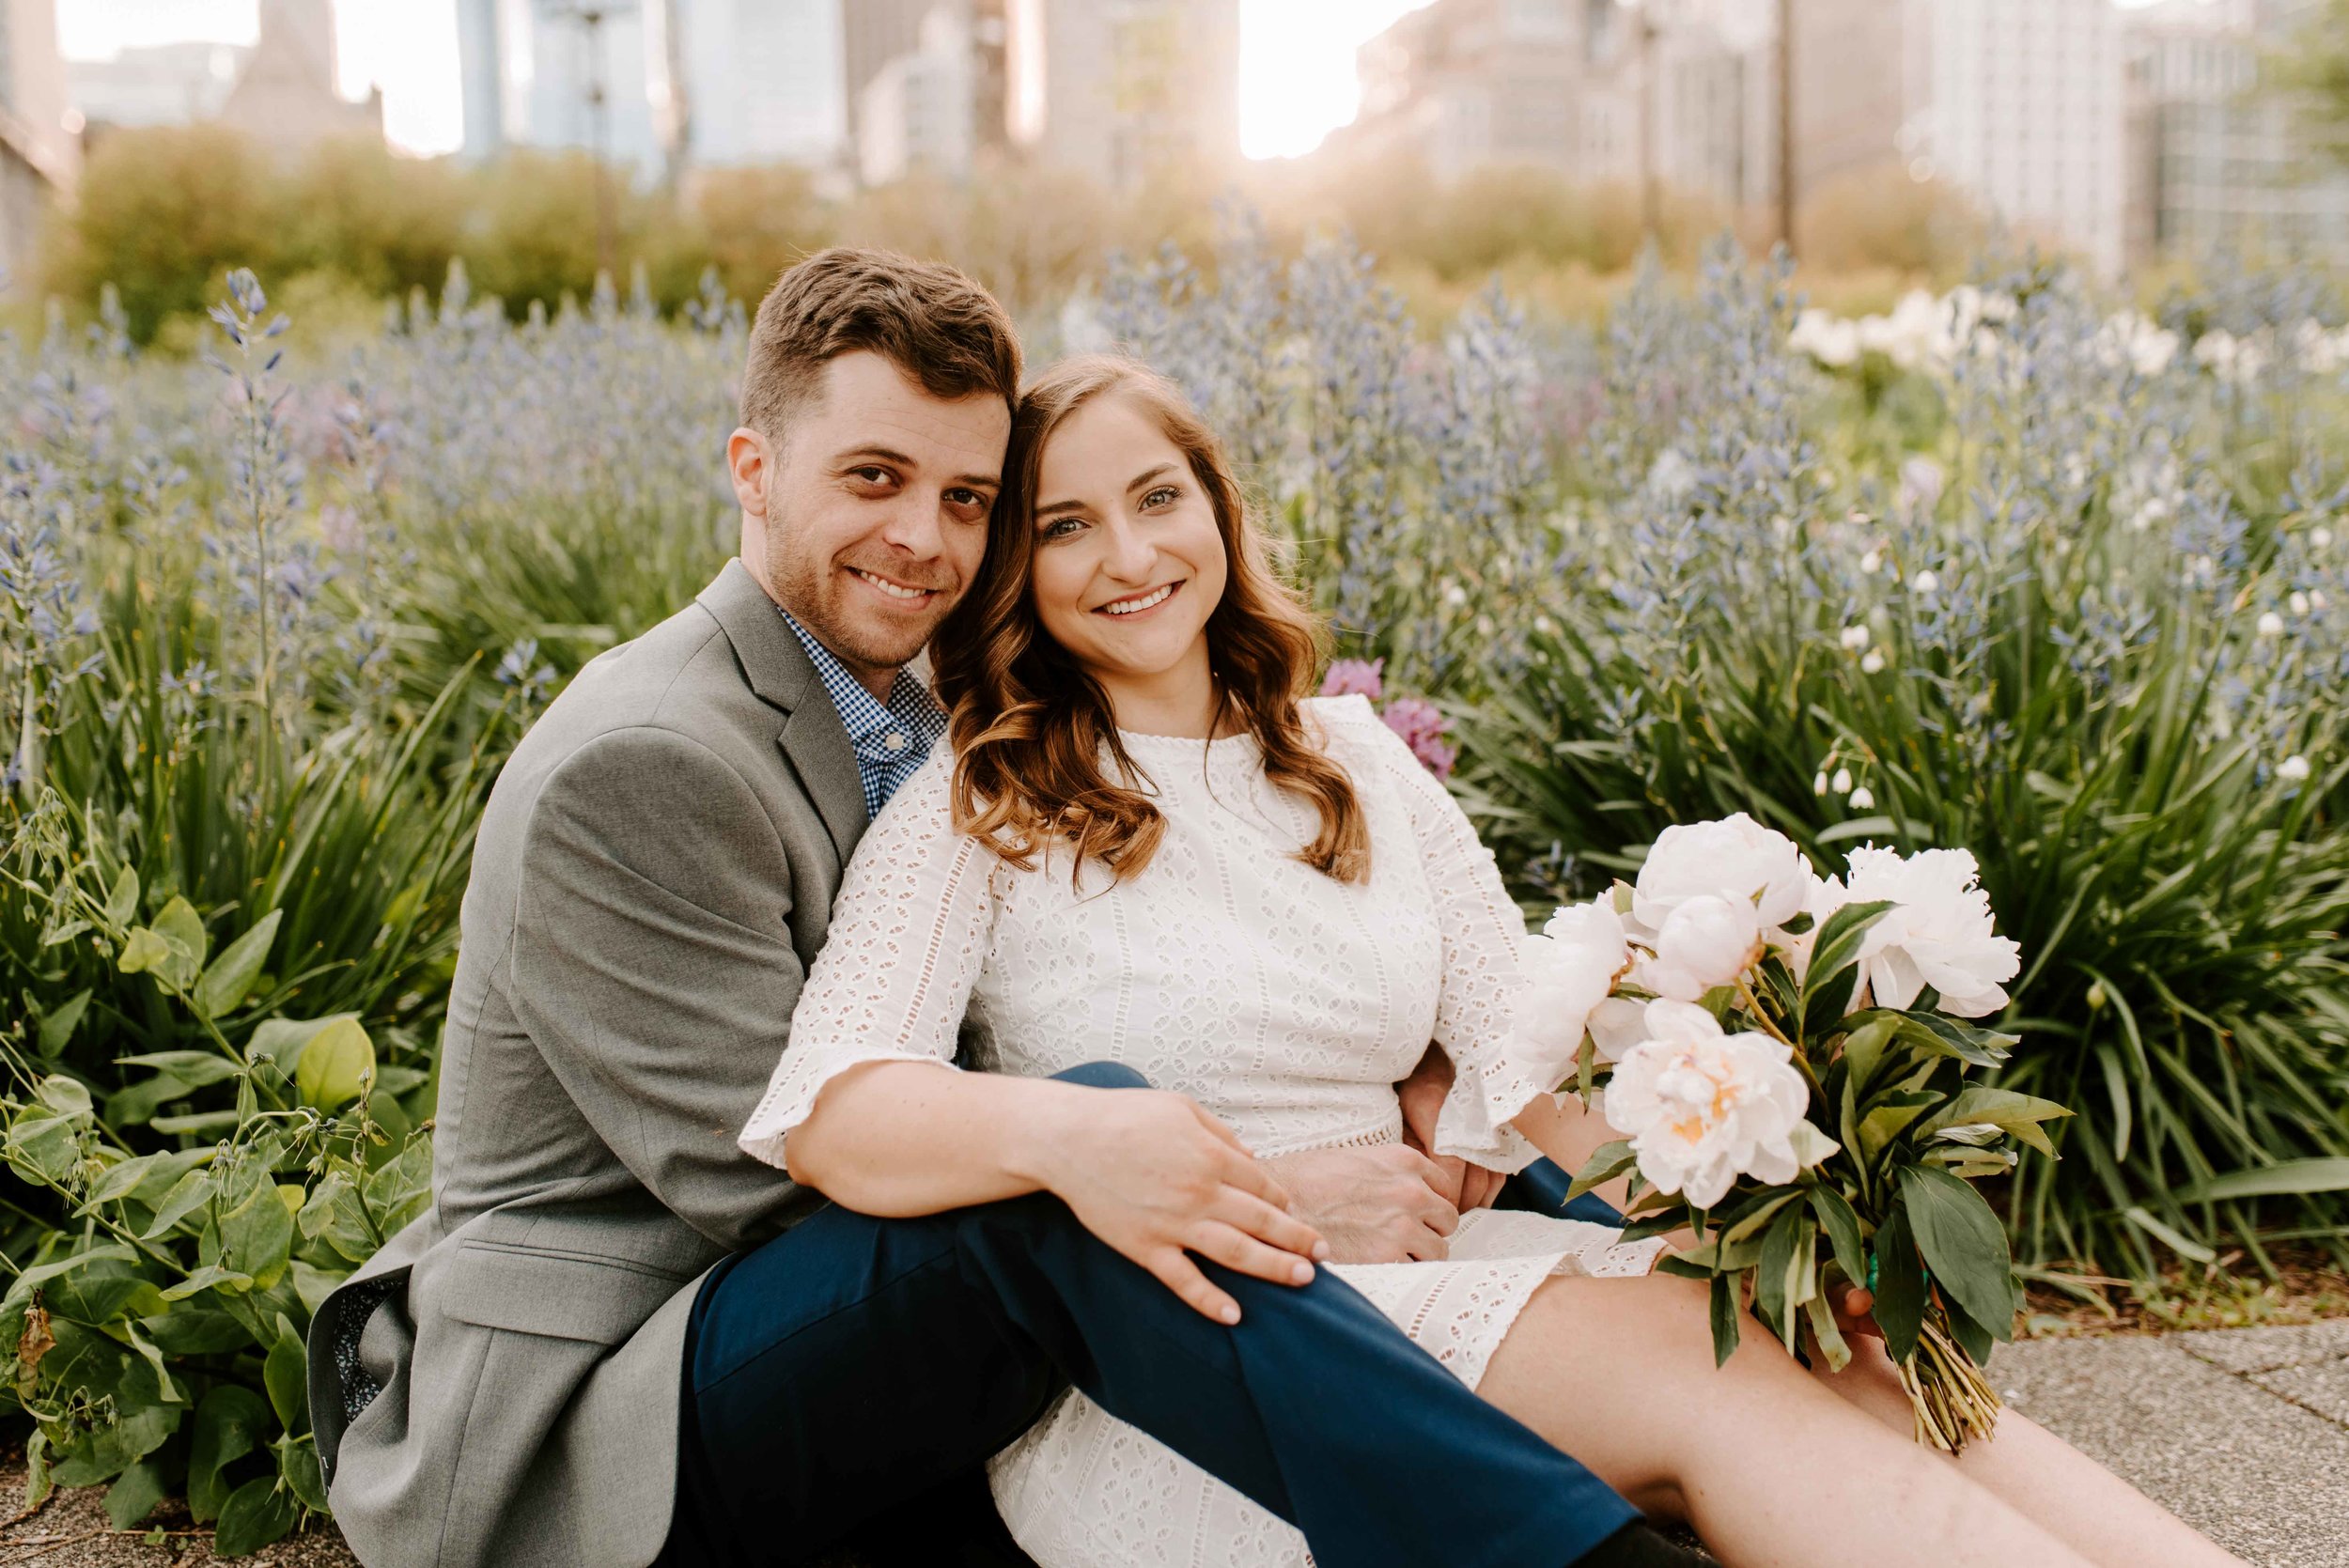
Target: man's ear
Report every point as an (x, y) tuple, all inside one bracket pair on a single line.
[(749, 458)]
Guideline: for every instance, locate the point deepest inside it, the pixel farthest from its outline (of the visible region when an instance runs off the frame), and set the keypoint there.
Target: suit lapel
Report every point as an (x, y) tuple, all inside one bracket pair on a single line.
[(814, 741)]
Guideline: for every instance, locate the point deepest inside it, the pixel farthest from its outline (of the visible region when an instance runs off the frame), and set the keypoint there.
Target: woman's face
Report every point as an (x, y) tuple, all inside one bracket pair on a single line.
[(1128, 562)]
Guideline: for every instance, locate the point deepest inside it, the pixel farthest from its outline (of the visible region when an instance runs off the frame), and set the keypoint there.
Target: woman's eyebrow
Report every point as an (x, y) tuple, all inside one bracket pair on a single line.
[(1059, 506)]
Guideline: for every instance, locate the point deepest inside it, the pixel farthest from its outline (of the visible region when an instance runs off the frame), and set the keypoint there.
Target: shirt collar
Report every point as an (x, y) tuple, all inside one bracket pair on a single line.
[(861, 714)]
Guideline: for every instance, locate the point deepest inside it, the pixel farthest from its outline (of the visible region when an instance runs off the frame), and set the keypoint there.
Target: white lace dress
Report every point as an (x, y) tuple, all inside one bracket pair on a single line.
[(1286, 1003)]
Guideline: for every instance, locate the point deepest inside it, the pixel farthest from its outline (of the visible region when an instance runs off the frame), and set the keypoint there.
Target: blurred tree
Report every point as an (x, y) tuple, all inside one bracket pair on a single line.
[(163, 215), (2313, 67), (749, 223), (1878, 217), (388, 224)]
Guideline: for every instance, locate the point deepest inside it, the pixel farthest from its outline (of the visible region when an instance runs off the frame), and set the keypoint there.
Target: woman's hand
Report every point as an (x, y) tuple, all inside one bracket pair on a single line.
[(1157, 1179), (1465, 1187)]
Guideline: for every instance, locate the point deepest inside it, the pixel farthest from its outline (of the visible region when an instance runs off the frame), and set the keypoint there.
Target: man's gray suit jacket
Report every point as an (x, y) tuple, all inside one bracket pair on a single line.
[(654, 872)]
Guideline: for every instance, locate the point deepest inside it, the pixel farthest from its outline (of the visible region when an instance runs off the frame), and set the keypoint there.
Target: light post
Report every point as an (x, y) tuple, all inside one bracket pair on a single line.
[(589, 16), (1786, 123)]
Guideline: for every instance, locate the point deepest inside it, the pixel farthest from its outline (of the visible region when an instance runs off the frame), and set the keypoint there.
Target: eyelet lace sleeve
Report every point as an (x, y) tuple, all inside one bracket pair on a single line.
[(909, 931), (1483, 931)]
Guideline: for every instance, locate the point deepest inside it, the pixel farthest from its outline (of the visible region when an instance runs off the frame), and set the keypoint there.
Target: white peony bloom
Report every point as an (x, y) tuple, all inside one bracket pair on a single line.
[(1940, 935), (1704, 941), (1702, 1108), (2292, 768), (1735, 858), (1617, 1024), (1569, 970)]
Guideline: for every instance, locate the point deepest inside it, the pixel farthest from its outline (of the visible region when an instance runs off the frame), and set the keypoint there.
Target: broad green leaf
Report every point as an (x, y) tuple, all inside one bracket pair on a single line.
[(1829, 1335), (398, 1190), (105, 1451), (298, 1461), (1864, 1049), (1775, 1272), (58, 1023), (1972, 1337), (1891, 1117), (2018, 1114), (200, 1123), (256, 1514), (1607, 1162), (38, 1484), (122, 899), (67, 1097), (229, 1425), (205, 1279), (134, 1493), (187, 1330), (2288, 1178), (143, 952), (230, 976), (45, 1147), (280, 1041), (256, 1233), (1840, 939), (1724, 1315), (286, 1373), (1962, 1241), (182, 931), (1938, 1031), (190, 1192), (1750, 1223), (336, 1066), (153, 1354), (1810, 1145), (1900, 1287), (1841, 1227)]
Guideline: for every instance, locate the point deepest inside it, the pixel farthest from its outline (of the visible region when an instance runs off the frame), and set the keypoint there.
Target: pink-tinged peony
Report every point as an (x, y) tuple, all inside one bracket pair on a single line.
[(1570, 968), (1732, 858), (1940, 935), (1355, 677), (1702, 1108), (1706, 942), (1422, 726)]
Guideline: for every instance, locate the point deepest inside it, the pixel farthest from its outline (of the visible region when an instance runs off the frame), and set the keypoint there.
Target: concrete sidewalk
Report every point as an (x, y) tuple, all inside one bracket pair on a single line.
[(2243, 1432)]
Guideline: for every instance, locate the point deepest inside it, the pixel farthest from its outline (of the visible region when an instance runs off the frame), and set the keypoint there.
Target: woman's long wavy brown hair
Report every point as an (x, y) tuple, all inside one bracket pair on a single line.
[(1030, 727)]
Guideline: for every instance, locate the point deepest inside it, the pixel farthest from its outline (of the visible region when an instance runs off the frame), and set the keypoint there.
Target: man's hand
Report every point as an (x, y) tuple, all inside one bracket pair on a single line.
[(1383, 1205), (1468, 1186), (1158, 1178)]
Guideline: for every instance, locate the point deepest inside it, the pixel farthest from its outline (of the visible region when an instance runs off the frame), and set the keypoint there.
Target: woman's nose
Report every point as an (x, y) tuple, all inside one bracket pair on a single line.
[(1130, 557)]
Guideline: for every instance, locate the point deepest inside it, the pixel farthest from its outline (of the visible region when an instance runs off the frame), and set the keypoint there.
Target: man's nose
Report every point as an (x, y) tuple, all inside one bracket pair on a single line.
[(913, 526)]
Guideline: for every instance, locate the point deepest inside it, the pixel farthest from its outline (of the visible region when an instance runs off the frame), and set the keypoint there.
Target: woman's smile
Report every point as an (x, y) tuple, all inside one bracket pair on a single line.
[(1140, 603)]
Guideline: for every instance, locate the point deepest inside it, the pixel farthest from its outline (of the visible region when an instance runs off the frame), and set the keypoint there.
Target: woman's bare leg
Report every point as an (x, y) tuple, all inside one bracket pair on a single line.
[(2102, 1516), (1773, 1469)]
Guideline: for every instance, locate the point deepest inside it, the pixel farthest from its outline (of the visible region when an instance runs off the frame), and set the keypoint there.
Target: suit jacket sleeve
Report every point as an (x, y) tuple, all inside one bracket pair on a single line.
[(653, 967)]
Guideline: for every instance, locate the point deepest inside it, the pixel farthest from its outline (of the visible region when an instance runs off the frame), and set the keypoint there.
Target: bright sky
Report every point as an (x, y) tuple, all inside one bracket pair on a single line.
[(1297, 58)]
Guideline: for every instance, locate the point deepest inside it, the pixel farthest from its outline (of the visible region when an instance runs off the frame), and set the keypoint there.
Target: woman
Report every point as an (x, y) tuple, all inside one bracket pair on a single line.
[(1143, 846)]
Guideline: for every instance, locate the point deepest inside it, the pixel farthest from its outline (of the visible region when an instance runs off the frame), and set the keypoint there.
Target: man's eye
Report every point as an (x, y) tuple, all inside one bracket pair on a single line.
[(966, 498), (871, 475)]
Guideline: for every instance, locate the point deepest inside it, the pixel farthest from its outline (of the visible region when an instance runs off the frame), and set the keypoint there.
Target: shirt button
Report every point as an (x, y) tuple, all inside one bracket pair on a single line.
[(895, 741)]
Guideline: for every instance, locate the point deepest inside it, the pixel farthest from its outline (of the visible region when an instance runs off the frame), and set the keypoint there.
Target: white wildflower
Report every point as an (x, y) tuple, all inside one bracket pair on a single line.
[(2292, 768), (1862, 797), (2316, 597), (1818, 783), (1926, 585), (2320, 537), (1872, 563), (2300, 603), (1854, 638), (2271, 625), (1842, 781), (1874, 663), (1702, 1108)]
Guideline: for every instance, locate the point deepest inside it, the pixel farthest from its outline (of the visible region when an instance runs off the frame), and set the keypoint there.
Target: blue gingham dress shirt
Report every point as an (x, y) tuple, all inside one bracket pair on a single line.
[(890, 739)]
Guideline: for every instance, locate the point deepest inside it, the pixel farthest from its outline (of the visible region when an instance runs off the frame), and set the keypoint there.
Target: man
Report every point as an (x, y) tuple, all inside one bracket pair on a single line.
[(615, 1338)]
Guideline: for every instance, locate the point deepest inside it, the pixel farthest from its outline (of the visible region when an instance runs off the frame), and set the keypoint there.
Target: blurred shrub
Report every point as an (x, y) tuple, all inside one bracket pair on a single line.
[(1878, 217)]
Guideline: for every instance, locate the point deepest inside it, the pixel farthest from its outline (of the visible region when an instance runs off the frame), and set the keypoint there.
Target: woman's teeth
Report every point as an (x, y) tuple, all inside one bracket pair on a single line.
[(1129, 606), (892, 589)]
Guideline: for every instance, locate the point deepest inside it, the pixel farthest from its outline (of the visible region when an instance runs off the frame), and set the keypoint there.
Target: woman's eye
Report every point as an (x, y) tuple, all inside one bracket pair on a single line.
[(1163, 496), (1060, 528)]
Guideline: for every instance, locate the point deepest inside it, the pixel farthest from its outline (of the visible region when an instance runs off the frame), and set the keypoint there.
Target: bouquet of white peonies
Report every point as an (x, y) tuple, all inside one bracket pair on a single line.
[(1789, 1059)]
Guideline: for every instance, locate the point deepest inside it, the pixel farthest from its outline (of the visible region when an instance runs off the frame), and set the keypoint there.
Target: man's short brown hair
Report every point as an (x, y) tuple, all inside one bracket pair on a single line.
[(935, 324)]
